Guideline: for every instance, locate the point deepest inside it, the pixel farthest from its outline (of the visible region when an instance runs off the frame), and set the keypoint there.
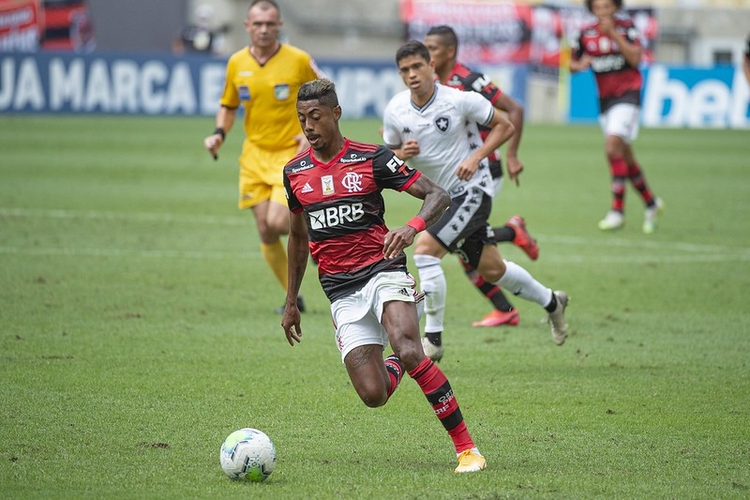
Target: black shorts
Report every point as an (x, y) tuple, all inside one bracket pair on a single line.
[(496, 168), (463, 228)]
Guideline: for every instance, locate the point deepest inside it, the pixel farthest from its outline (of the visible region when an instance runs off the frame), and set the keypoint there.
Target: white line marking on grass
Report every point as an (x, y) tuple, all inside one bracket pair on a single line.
[(203, 255), (113, 252), (137, 216), (640, 244), (649, 259), (679, 252)]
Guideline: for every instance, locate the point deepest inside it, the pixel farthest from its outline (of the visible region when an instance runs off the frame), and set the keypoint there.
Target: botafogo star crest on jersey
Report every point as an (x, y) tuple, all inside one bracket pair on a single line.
[(443, 123)]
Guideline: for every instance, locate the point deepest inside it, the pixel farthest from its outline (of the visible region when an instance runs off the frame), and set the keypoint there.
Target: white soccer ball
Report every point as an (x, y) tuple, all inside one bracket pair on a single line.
[(248, 454)]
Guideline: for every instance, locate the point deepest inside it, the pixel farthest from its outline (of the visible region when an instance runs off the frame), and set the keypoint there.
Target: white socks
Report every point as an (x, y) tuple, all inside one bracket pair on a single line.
[(518, 281), (432, 282)]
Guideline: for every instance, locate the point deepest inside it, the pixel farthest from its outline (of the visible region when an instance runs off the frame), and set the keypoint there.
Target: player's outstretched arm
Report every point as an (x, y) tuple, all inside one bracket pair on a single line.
[(436, 201), (297, 252), (515, 115)]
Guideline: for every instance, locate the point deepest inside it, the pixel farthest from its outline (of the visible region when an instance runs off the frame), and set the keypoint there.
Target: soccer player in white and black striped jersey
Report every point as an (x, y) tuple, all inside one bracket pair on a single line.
[(442, 43), (434, 127)]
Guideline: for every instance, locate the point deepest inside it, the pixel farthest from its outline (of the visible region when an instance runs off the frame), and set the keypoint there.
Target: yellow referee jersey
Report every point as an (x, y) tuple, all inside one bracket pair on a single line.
[(268, 93)]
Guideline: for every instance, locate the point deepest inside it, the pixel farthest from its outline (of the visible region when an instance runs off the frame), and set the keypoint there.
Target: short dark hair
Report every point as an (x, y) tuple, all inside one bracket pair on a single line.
[(322, 90), (272, 3), (446, 33), (618, 4), (413, 48)]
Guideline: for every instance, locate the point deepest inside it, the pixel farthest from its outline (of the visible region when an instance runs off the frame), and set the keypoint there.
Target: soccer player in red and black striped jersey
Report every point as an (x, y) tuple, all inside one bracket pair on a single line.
[(442, 43), (611, 48), (337, 213)]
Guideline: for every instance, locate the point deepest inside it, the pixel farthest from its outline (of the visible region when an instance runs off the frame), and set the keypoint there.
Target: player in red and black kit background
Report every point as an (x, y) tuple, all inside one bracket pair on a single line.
[(442, 43), (337, 213), (611, 48), (746, 61)]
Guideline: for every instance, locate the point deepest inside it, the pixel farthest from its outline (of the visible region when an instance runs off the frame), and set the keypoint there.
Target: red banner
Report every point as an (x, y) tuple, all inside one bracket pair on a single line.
[(496, 32), (67, 26), (19, 25)]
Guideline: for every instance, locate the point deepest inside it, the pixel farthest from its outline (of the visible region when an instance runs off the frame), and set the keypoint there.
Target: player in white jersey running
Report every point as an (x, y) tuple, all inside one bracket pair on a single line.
[(435, 128)]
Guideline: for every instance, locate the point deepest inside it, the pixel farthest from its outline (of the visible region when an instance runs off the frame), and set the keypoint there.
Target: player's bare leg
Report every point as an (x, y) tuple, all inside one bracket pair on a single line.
[(368, 374), (276, 219), (402, 324)]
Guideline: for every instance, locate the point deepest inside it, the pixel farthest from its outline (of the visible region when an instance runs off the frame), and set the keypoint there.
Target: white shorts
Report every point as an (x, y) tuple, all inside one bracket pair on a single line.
[(621, 120), (356, 317)]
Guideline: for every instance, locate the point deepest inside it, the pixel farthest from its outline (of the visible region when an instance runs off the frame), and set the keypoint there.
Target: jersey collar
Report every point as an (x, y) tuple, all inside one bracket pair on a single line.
[(427, 104), (334, 160)]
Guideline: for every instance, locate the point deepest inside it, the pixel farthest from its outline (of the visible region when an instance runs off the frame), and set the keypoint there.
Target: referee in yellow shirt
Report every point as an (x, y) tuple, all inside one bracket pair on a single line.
[(265, 78)]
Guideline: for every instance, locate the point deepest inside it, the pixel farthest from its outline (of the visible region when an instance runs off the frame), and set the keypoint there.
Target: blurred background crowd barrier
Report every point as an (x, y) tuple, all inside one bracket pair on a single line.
[(167, 57)]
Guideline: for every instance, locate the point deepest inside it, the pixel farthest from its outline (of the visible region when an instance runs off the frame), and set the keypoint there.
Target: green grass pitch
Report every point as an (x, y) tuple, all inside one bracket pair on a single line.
[(137, 330)]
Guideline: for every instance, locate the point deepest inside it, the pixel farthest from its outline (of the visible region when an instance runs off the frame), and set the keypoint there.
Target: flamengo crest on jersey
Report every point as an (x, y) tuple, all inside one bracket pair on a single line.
[(446, 129), (345, 212)]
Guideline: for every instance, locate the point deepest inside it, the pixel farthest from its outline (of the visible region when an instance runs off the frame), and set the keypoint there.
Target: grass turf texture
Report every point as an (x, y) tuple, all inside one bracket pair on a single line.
[(137, 330)]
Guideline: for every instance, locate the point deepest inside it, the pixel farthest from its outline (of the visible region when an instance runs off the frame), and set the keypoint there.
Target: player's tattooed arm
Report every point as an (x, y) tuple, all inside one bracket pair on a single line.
[(436, 199)]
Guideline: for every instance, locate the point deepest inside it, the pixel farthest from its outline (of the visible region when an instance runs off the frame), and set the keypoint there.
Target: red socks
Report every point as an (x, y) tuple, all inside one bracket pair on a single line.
[(439, 393)]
